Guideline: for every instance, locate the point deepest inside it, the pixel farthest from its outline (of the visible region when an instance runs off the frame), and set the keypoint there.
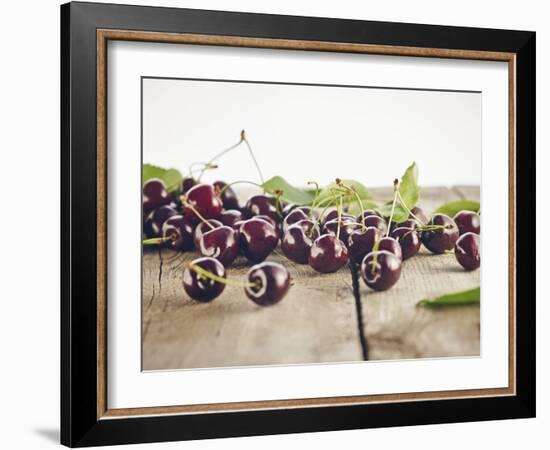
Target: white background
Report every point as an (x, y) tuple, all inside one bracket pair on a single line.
[(314, 132), (29, 333)]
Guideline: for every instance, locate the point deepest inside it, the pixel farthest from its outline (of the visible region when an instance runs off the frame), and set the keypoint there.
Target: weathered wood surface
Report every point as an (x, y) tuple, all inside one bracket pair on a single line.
[(320, 319)]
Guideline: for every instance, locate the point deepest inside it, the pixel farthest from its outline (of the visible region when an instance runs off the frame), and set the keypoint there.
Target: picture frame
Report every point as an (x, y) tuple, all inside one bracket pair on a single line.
[(86, 419)]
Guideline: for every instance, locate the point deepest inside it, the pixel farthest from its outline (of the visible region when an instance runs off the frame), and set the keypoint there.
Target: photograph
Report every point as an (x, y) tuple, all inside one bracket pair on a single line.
[(292, 223)]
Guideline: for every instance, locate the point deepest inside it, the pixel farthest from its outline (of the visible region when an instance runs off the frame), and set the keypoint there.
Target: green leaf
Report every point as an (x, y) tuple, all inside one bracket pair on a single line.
[(410, 193), (360, 188), (456, 298), (290, 193), (408, 188), (451, 208), (171, 177)]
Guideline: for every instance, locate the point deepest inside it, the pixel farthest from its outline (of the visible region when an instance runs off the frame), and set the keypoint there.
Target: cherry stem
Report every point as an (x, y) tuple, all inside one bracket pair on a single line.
[(375, 257), (408, 210), (205, 166), (223, 152), (157, 241), (245, 140), (432, 227), (198, 214), (359, 201), (211, 276), (240, 182), (395, 195), (313, 203), (318, 219), (340, 206)]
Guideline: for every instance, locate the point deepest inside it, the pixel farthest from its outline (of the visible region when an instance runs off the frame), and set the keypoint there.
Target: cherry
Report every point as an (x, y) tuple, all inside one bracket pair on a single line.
[(180, 231), (347, 226), (221, 243), (377, 222), (200, 287), (231, 217), (467, 222), (328, 254), (155, 220), (310, 213), (330, 214), (361, 242), (298, 239), (265, 205), (268, 283), (274, 223), (380, 270), (293, 217), (203, 227), (467, 251), (154, 195), (227, 195), (419, 214), (187, 183), (202, 199), (442, 239), (258, 239), (288, 208), (367, 213), (409, 223), (391, 245), (408, 239)]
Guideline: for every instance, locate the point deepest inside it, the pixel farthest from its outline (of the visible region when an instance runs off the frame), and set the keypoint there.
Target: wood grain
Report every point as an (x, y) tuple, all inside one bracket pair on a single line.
[(318, 320)]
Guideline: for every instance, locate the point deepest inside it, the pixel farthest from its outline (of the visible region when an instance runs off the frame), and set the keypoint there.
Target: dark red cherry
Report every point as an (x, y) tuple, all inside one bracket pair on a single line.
[(154, 195), (203, 198), (298, 239), (180, 231), (467, 251), (288, 208), (203, 227), (228, 196), (377, 222), (443, 239), (409, 223), (328, 254), (271, 283), (187, 183), (155, 220), (408, 240), (366, 213), (274, 223), (258, 239), (391, 245), (330, 214), (199, 287), (265, 205), (382, 272), (467, 222), (347, 227), (420, 214), (231, 217), (221, 243), (293, 217), (361, 241)]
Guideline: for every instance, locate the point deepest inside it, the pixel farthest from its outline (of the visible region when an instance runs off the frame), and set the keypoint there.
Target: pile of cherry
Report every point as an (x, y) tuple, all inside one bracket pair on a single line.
[(209, 219)]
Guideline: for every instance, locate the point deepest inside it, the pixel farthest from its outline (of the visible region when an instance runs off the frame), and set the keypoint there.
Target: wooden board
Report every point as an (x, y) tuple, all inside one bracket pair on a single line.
[(320, 319)]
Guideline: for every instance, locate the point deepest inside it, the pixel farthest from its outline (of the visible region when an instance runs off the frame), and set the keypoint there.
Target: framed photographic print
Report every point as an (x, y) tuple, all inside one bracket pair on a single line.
[(272, 224)]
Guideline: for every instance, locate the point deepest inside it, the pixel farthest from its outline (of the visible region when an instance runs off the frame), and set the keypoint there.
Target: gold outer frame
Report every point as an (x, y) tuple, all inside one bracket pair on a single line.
[(104, 35)]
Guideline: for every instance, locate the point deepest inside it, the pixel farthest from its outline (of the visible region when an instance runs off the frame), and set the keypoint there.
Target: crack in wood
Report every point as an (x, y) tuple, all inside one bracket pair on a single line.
[(359, 311)]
